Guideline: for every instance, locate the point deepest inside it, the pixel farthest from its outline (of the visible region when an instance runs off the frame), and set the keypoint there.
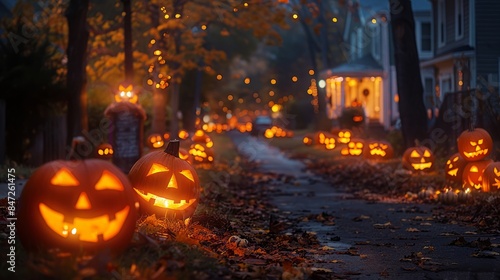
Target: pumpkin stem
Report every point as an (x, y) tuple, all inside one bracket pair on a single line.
[(173, 148)]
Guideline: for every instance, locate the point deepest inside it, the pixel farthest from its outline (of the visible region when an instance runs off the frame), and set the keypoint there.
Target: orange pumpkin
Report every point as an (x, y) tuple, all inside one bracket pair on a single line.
[(491, 177), (104, 151), (353, 148), (201, 153), (166, 185), (344, 136), (418, 158), (378, 150), (474, 144), (454, 168), (155, 141), (472, 175), (75, 205)]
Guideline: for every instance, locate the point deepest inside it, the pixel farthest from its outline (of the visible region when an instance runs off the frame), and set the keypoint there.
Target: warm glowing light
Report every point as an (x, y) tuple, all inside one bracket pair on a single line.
[(322, 83), (230, 97), (396, 98), (177, 15), (374, 20), (295, 16), (203, 27), (273, 81), (271, 93), (219, 77), (311, 72), (294, 79), (64, 178), (240, 100), (247, 81), (334, 19)]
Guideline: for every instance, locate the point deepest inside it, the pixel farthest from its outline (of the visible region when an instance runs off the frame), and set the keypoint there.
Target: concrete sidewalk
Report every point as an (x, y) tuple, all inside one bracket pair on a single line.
[(372, 240)]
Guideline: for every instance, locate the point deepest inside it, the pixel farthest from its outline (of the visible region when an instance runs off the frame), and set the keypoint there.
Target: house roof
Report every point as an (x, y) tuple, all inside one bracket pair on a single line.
[(362, 67)]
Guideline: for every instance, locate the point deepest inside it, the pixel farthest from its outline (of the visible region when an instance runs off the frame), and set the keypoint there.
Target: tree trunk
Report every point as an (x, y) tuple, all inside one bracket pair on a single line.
[(159, 111), (411, 102), (127, 32), (78, 35), (174, 107)]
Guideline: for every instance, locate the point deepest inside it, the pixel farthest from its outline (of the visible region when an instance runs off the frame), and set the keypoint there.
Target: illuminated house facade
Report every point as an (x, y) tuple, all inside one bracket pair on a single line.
[(368, 78)]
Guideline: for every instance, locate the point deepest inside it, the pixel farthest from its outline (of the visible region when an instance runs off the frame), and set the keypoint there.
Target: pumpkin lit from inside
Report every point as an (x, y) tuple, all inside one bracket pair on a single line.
[(201, 153), (155, 141), (166, 185), (126, 94), (454, 168), (183, 134), (474, 144), (378, 150), (418, 159), (74, 205), (491, 178), (184, 154), (472, 175), (104, 151), (344, 136), (353, 148)]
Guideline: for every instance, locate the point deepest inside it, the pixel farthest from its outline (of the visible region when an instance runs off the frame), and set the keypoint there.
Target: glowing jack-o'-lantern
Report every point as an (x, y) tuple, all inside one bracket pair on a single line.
[(472, 175), (183, 134), (344, 136), (454, 168), (474, 144), (491, 177), (184, 154), (104, 151), (201, 137), (201, 153), (353, 148), (308, 140), (126, 94), (74, 205), (330, 143), (155, 141), (166, 185), (378, 150), (418, 159)]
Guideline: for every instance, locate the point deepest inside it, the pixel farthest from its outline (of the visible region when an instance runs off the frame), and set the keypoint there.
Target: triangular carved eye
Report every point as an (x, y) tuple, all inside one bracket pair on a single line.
[(188, 175), (108, 181), (427, 153), (155, 168), (414, 154), (497, 172), (64, 178), (455, 159), (474, 169)]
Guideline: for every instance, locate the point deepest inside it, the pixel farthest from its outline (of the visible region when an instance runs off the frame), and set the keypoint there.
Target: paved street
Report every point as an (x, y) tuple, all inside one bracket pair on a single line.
[(372, 240)]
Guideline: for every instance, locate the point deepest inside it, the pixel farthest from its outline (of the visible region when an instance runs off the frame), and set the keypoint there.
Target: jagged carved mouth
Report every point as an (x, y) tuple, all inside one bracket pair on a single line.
[(100, 228), (453, 172), (421, 166), (165, 203), (476, 153), (378, 152)]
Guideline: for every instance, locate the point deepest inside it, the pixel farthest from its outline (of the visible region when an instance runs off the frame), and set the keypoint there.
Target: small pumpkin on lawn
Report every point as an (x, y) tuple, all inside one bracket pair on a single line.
[(454, 168), (418, 158), (155, 141), (74, 205), (166, 185), (378, 150), (353, 148), (104, 151)]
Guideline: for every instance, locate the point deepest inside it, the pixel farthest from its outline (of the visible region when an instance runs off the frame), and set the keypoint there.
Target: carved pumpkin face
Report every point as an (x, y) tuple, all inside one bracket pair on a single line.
[(473, 174), (166, 185), (183, 134), (70, 205), (474, 144), (104, 151), (126, 94), (418, 159), (378, 150), (354, 148), (330, 143), (491, 177), (155, 141), (454, 168), (201, 153), (344, 136)]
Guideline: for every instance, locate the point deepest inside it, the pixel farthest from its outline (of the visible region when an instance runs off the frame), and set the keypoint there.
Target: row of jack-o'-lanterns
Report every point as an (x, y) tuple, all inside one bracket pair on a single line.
[(349, 146), (277, 132), (92, 205), (470, 166)]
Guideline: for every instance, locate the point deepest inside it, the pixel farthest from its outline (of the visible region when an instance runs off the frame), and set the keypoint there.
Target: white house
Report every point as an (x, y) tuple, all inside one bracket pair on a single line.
[(368, 78)]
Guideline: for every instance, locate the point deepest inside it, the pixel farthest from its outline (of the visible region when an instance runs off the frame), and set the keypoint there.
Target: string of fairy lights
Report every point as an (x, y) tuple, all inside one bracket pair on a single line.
[(159, 79)]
